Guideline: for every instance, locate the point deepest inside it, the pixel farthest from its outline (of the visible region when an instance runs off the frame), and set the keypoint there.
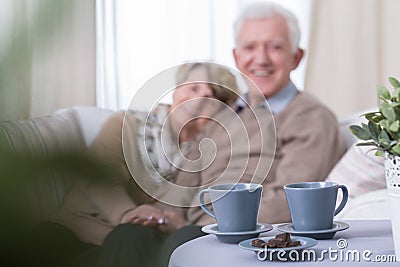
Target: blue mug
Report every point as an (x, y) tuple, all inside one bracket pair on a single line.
[(312, 204), (235, 206)]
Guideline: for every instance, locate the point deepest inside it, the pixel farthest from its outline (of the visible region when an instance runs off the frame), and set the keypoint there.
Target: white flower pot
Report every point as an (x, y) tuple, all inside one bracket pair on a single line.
[(392, 171)]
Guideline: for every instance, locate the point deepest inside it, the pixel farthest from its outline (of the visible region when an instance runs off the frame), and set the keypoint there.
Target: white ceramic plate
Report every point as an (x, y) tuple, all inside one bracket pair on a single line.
[(318, 234), (236, 237), (277, 253)]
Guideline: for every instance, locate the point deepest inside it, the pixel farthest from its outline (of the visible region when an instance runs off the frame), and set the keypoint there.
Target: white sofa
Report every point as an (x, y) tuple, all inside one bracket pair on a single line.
[(76, 128)]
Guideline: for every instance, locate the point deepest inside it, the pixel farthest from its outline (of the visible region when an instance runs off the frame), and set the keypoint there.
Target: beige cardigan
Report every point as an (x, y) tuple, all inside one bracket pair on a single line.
[(308, 144)]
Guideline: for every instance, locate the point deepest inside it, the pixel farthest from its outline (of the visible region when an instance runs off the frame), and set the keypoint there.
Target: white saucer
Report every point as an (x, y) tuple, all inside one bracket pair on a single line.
[(317, 234), (305, 242), (236, 237)]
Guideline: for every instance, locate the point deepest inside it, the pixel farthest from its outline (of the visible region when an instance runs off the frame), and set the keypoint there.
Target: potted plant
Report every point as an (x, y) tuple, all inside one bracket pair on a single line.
[(383, 132)]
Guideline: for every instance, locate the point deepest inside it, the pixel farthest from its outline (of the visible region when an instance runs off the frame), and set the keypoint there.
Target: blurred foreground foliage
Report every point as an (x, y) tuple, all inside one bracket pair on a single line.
[(20, 170)]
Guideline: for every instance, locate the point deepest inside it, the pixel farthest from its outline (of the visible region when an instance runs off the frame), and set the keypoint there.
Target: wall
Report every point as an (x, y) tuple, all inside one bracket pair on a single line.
[(47, 56), (353, 48)]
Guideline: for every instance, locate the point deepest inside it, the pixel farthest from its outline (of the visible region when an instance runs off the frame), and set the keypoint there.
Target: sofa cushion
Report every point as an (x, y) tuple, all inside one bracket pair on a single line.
[(90, 120), (360, 170)]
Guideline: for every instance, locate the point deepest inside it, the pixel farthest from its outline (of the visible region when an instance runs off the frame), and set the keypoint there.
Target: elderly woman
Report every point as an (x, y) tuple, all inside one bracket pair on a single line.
[(143, 152), (155, 145)]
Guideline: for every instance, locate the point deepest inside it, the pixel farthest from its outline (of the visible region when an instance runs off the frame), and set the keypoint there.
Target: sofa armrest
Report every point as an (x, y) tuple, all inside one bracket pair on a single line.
[(34, 142)]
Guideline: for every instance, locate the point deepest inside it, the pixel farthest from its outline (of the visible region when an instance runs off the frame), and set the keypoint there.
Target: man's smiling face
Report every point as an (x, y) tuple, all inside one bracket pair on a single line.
[(264, 53)]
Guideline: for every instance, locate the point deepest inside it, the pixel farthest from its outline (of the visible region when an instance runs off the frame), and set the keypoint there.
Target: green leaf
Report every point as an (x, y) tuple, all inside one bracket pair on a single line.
[(359, 132), (384, 139), (365, 126), (396, 93), (367, 144), (396, 149), (385, 124), (388, 111), (383, 92), (374, 117), (394, 127), (394, 82), (393, 143), (379, 153), (373, 130), (376, 113)]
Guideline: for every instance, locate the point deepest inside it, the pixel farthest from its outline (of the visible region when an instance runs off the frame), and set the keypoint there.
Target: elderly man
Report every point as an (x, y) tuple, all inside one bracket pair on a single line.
[(308, 142)]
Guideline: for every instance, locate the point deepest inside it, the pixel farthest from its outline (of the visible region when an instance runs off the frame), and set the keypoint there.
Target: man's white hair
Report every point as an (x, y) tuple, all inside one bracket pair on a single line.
[(265, 10)]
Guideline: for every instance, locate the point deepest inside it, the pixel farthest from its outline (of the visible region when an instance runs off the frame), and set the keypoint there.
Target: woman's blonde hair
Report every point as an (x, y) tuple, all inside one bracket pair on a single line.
[(220, 78)]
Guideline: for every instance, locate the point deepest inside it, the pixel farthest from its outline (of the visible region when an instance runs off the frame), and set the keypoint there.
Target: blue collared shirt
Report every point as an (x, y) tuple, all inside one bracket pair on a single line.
[(281, 100), (278, 102)]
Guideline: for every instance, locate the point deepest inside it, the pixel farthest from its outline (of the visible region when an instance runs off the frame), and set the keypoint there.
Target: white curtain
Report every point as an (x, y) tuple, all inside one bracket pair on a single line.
[(354, 45), (106, 68), (47, 56), (14, 57), (139, 39)]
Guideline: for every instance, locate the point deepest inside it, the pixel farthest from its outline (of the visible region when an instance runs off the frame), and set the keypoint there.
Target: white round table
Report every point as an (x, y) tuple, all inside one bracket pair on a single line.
[(369, 242)]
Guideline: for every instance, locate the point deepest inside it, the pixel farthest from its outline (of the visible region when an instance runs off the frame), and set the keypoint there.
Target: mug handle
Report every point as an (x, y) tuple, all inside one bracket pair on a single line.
[(203, 205), (344, 199)]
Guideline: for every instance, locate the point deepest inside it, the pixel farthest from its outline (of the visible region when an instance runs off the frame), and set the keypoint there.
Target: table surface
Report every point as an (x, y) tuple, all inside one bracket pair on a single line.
[(368, 242)]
